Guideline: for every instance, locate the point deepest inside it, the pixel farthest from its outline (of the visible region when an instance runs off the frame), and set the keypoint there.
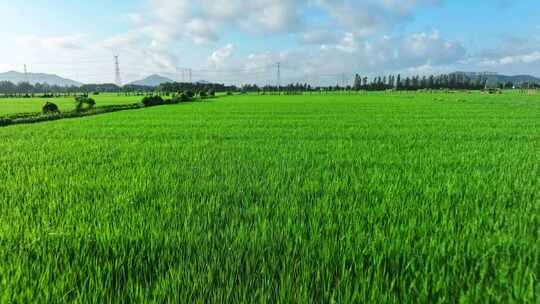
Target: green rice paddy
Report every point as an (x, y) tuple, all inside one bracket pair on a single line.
[(404, 197), (34, 105)]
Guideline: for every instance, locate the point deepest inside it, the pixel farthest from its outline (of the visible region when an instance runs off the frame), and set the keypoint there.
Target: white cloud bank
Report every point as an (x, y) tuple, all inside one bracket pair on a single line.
[(356, 36)]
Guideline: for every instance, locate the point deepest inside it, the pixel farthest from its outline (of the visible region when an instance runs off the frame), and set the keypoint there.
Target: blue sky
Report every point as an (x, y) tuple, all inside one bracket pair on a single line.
[(237, 41)]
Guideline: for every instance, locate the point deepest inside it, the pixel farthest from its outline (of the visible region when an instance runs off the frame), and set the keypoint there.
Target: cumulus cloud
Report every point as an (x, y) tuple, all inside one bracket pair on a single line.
[(134, 18), (512, 60), (140, 49), (430, 48), (368, 16), (220, 56), (343, 36), (204, 21), (385, 53), (319, 37), (405, 7), (346, 36), (513, 55)]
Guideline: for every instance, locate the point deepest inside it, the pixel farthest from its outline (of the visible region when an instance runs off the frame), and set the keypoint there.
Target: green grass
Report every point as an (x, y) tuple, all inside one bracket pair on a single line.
[(34, 105), (377, 198)]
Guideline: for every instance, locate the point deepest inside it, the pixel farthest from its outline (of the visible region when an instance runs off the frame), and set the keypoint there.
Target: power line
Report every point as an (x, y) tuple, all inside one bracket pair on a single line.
[(260, 73)]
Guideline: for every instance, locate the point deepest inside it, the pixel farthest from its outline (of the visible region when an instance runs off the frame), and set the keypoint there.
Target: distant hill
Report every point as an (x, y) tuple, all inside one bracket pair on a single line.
[(203, 82), (33, 78), (493, 78), (152, 81)]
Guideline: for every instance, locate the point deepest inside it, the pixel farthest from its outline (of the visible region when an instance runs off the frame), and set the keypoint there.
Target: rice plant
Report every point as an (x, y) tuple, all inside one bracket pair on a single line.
[(375, 198)]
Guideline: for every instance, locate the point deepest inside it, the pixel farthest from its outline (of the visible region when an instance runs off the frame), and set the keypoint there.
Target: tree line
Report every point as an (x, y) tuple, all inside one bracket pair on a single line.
[(174, 87), (26, 89), (455, 81)]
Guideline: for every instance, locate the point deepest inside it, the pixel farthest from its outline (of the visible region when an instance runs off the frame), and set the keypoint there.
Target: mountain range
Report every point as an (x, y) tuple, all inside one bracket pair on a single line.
[(152, 81), (155, 80), (33, 78)]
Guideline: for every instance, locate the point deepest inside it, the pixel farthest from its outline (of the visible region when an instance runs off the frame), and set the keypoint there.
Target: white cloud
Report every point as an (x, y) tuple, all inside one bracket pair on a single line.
[(116, 43), (387, 53), (140, 49), (69, 42), (353, 36), (202, 31), (430, 48), (344, 48), (220, 56), (256, 15), (135, 19), (405, 7), (349, 43), (205, 21), (512, 60), (369, 16), (321, 36)]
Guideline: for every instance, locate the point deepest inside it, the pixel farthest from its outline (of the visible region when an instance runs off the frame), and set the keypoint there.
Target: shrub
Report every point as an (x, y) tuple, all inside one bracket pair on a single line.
[(229, 93), (190, 94), (203, 94), (5, 121), (211, 94), (49, 108), (182, 98), (34, 118), (90, 102), (84, 100), (150, 101)]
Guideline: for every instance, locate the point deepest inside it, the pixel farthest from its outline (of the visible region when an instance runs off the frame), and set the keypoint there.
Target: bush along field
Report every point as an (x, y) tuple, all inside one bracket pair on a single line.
[(85, 106), (374, 198), (10, 106)]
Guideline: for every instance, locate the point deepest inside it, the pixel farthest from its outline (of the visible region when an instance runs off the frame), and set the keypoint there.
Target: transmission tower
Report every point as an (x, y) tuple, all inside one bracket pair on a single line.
[(279, 76), (117, 71), (26, 74)]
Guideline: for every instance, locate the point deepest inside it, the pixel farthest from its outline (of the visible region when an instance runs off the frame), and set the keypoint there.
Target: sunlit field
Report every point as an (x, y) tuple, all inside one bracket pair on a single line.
[(34, 105), (380, 197)]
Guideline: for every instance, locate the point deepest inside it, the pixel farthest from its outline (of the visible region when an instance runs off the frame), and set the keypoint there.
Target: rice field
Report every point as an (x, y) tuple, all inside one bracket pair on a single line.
[(384, 198), (34, 105)]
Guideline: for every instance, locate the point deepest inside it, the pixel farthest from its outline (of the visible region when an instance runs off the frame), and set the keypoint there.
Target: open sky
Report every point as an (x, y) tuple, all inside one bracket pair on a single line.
[(240, 41)]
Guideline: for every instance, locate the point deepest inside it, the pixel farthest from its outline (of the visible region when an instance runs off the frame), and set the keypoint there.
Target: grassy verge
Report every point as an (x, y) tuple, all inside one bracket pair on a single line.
[(27, 118)]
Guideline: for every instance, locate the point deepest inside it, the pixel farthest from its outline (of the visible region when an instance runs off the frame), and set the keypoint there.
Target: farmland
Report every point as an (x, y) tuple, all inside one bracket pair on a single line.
[(383, 197), (33, 105)]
